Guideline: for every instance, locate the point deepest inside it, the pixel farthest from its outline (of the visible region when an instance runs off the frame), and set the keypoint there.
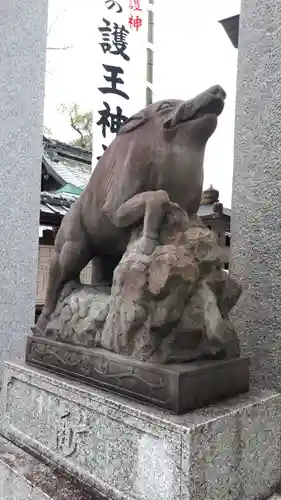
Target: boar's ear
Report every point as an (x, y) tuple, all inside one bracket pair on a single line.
[(133, 123)]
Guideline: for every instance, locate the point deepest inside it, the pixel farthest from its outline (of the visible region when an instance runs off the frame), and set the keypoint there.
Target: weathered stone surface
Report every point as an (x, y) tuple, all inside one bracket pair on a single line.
[(128, 450), (79, 316), (23, 37), (255, 217), (169, 306), (24, 477)]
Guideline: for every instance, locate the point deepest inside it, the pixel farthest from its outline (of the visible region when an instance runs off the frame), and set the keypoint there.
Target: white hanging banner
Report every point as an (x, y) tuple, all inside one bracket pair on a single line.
[(120, 59)]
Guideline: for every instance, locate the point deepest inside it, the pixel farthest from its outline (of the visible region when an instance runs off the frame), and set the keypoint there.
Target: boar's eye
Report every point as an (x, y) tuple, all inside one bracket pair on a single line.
[(164, 106)]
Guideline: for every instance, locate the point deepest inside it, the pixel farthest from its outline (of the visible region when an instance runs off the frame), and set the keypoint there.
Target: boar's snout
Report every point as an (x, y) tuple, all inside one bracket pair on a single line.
[(211, 101)]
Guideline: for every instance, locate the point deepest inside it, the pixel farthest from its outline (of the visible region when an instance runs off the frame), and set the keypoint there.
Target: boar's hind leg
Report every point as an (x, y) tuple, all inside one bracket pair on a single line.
[(150, 206), (66, 264)]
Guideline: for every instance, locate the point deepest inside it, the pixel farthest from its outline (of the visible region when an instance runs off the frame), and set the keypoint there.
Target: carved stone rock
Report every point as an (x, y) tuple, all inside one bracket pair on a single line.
[(169, 306), (79, 316)]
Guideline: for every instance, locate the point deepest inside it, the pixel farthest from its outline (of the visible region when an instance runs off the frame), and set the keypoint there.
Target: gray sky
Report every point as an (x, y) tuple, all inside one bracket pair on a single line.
[(192, 52)]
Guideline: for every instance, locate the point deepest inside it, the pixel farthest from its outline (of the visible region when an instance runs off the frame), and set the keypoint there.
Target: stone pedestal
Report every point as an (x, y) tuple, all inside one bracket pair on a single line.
[(24, 477), (126, 450), (23, 26), (174, 387), (256, 204)]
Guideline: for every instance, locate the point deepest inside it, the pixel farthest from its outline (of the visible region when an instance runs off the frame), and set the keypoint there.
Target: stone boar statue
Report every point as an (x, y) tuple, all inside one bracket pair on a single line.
[(154, 163)]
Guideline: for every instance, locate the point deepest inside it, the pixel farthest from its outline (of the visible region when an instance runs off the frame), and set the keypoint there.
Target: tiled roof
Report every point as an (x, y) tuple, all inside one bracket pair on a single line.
[(56, 204), (67, 164), (207, 211), (73, 172)]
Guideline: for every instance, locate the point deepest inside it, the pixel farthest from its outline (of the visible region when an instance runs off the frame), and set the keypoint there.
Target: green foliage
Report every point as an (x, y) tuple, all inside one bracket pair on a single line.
[(81, 122)]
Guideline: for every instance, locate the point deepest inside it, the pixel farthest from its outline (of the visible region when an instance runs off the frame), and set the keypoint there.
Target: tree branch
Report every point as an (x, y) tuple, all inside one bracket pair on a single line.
[(74, 126), (55, 20), (67, 47)]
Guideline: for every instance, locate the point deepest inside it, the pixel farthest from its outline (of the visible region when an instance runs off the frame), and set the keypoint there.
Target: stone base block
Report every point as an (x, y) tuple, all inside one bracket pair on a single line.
[(24, 477), (174, 387), (129, 451)]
